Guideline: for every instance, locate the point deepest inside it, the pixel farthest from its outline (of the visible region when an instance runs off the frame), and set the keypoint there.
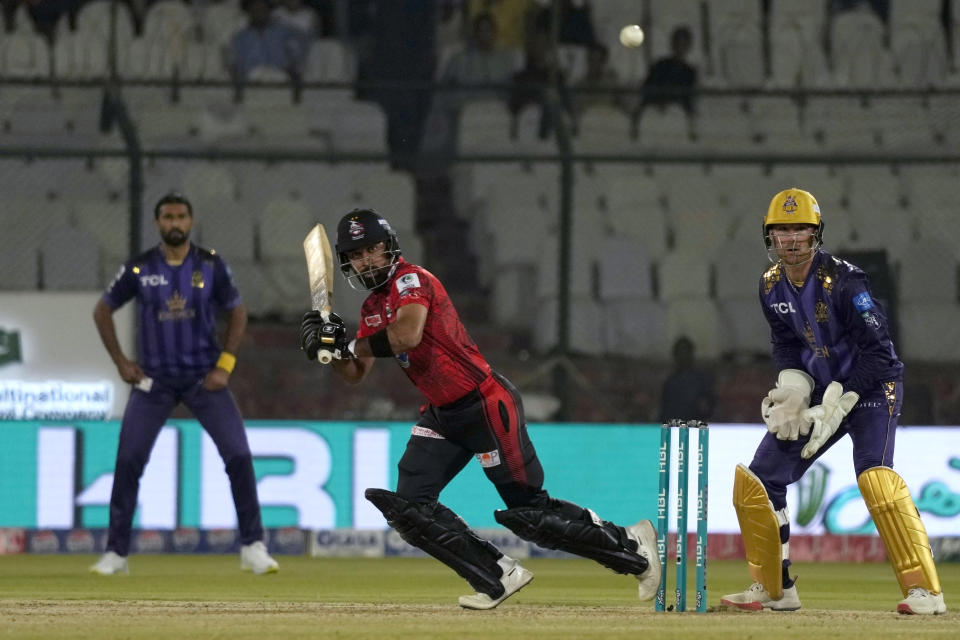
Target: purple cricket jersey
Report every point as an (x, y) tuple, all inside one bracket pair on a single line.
[(176, 337), (831, 327)]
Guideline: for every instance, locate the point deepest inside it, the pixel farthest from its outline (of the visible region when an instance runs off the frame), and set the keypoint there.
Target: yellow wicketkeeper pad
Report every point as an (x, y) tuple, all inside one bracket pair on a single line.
[(760, 530), (898, 522)]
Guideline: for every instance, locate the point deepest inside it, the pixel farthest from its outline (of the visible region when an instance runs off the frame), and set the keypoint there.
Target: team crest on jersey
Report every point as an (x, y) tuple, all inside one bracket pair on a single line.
[(407, 282), (356, 230), (196, 280), (489, 459), (863, 302), (820, 311), (790, 205), (373, 321), (871, 320)]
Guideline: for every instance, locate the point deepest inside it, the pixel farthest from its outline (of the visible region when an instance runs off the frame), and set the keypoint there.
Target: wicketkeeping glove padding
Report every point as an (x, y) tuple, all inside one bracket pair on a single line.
[(782, 408), (828, 415)]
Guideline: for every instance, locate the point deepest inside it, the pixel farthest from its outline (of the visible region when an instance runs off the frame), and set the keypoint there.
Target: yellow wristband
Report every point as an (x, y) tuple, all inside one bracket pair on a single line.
[(227, 361)]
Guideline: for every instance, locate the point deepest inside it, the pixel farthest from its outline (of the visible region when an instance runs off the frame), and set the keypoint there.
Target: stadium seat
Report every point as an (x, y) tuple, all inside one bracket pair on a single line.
[(94, 23), (484, 127), (697, 319), (33, 200), (666, 129), (510, 297), (842, 123), (929, 330), (878, 217), (635, 327), (684, 275), (70, 260), (737, 270), (928, 271), (603, 130), (636, 210), (858, 55), (722, 123), (736, 43), (108, 221), (798, 58), (776, 125), (585, 323), (624, 269), (283, 224), (392, 192), (917, 42), (328, 60), (76, 58), (220, 21), (696, 216), (24, 54), (526, 133)]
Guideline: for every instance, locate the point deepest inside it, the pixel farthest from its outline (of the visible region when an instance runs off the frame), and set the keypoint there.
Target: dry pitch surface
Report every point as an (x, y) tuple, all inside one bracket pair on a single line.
[(208, 597)]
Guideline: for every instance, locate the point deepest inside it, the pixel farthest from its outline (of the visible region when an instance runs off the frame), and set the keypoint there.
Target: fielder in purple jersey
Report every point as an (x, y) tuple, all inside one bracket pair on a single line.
[(832, 348), (180, 288)]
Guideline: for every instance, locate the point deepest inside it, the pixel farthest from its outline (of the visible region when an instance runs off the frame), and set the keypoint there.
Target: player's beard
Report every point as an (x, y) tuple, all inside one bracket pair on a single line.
[(375, 277), (175, 237)]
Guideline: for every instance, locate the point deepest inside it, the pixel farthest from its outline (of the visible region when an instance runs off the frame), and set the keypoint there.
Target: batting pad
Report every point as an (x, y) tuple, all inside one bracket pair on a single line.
[(760, 531), (899, 524)]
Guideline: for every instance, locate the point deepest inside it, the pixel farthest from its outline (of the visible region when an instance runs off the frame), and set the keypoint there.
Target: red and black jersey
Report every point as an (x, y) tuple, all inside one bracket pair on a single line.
[(446, 365)]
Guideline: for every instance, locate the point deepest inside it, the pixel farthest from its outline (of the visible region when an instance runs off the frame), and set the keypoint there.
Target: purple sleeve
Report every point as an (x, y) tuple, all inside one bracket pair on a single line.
[(225, 292), (865, 322), (123, 288)]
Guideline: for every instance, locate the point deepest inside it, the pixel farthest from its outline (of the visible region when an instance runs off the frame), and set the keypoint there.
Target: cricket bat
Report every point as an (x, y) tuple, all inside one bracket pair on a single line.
[(316, 247)]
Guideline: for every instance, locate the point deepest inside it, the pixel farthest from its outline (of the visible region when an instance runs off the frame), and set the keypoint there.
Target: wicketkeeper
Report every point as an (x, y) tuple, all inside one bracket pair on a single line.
[(472, 412), (839, 375)]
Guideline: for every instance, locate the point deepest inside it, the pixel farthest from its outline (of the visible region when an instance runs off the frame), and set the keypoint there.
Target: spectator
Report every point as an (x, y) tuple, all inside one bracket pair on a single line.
[(672, 79), (576, 22), (598, 84), (687, 393), (480, 63), (511, 17), (297, 15), (265, 42), (533, 84)]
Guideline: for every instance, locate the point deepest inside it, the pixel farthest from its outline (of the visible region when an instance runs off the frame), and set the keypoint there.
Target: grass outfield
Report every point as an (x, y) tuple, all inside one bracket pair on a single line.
[(182, 596)]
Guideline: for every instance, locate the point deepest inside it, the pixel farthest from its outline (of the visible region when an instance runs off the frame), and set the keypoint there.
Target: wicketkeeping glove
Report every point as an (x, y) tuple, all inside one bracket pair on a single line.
[(782, 408), (828, 415)]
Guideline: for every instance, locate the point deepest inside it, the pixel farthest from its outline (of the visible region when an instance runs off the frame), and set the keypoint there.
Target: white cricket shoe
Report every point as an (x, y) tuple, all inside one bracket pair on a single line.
[(254, 557), (646, 538), (756, 598), (921, 602), (109, 564), (514, 578)]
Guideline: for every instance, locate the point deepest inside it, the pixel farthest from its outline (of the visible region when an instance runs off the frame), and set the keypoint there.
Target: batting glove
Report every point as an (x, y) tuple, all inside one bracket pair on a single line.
[(828, 415), (317, 334), (782, 408)]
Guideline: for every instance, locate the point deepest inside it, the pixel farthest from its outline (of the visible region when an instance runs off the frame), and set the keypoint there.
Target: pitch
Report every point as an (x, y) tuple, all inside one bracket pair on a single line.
[(180, 596)]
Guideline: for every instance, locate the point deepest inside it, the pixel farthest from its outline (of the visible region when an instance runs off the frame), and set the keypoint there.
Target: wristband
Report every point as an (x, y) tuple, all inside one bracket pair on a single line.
[(380, 345), (227, 361)]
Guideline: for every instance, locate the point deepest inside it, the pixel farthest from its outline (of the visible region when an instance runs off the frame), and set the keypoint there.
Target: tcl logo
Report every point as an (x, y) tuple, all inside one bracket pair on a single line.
[(783, 307), (153, 281)]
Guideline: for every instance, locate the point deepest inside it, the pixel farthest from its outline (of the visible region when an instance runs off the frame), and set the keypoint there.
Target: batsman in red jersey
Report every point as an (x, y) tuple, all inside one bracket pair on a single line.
[(472, 411)]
